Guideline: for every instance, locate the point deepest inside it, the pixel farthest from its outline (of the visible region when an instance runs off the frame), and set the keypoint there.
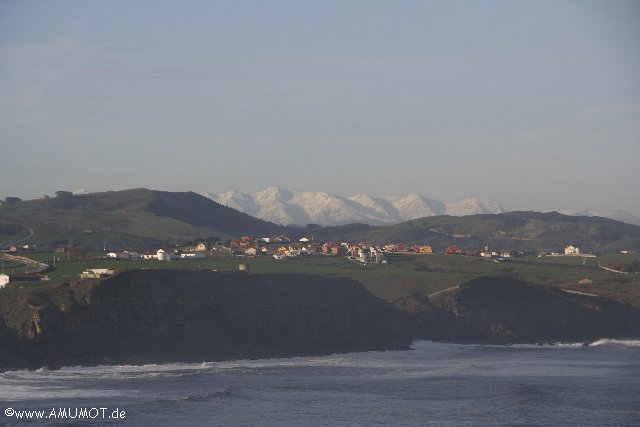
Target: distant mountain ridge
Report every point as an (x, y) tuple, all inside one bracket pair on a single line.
[(135, 218), (286, 207), (301, 208)]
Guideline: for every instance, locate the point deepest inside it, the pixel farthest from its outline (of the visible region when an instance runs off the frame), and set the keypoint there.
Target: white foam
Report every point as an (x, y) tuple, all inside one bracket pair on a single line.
[(618, 342)]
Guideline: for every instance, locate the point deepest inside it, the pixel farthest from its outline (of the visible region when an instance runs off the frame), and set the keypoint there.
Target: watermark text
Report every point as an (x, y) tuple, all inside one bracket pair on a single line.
[(66, 414)]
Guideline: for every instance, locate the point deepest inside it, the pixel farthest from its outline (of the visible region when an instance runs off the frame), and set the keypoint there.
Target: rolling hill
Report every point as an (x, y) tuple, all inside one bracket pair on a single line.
[(141, 218), (123, 219), (511, 230)]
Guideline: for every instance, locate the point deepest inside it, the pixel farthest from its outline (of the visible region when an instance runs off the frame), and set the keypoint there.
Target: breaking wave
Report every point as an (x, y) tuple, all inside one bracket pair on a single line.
[(616, 342)]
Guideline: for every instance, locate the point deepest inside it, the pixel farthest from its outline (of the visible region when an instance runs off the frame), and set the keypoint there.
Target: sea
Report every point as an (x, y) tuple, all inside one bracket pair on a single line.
[(433, 384)]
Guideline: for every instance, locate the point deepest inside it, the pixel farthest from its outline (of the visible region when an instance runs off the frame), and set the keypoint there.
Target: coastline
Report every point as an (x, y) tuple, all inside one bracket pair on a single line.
[(155, 316)]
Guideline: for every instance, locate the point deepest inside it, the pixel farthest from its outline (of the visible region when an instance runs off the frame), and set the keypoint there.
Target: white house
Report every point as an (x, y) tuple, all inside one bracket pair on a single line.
[(192, 255), (572, 250), (164, 256), (4, 280)]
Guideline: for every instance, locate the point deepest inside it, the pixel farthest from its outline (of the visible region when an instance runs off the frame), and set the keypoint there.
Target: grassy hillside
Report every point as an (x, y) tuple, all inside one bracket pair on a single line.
[(406, 275), (141, 218), (120, 219), (512, 230)]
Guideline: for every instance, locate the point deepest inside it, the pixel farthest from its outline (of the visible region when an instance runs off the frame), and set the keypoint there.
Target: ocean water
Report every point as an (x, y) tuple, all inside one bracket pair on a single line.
[(434, 384)]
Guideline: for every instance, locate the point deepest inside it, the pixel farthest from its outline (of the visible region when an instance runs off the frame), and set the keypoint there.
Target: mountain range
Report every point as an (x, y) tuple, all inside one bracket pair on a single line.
[(300, 208), (142, 218)]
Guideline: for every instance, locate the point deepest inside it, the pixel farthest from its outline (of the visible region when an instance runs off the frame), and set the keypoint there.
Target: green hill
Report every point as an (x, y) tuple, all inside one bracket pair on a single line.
[(512, 230), (142, 218), (121, 219)]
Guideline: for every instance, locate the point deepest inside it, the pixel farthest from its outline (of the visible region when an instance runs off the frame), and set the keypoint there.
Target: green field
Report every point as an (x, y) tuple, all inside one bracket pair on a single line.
[(406, 274)]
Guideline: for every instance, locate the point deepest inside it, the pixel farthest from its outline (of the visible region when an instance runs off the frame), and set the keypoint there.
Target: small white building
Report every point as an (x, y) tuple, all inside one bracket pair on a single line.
[(572, 250), (164, 256), (4, 280), (192, 255)]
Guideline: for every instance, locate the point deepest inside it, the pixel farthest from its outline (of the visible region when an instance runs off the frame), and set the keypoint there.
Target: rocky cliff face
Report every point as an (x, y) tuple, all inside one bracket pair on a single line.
[(155, 316), (159, 316), (498, 310)]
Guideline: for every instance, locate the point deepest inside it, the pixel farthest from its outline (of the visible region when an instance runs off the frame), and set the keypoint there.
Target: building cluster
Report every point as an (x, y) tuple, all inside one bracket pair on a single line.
[(283, 247), (570, 250), (160, 254)]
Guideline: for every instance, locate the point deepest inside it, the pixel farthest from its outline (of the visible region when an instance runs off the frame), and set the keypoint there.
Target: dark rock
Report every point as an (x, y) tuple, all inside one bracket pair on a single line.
[(154, 316)]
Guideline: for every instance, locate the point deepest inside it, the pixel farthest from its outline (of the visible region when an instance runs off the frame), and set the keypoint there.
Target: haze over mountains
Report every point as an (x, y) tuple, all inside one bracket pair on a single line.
[(287, 207), (141, 219)]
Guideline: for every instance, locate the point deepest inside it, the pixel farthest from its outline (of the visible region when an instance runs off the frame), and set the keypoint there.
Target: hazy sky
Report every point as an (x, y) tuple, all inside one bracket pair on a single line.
[(532, 103)]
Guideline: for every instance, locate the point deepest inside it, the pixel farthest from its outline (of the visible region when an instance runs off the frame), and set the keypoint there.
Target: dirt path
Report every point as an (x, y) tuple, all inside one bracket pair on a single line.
[(579, 293), (442, 291)]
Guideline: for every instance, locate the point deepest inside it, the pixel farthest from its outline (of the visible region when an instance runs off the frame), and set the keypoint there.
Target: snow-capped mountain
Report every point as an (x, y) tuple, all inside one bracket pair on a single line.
[(301, 208), (286, 207), (475, 207)]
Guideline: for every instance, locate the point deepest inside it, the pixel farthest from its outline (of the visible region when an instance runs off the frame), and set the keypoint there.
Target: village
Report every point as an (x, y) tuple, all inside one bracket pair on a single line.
[(280, 248), (283, 247)]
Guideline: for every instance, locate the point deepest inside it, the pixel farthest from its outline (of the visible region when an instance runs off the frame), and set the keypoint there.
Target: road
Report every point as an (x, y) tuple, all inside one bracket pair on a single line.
[(34, 266), (24, 239)]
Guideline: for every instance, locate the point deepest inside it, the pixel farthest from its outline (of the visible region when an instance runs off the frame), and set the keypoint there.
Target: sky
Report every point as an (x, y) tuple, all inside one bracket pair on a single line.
[(535, 104)]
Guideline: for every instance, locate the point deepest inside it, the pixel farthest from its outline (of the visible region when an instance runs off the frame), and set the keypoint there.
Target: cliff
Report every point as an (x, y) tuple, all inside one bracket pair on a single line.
[(501, 311), (154, 316)]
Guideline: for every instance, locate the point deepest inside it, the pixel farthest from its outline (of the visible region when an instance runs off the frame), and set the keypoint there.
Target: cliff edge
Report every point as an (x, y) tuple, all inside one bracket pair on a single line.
[(158, 316), (155, 316)]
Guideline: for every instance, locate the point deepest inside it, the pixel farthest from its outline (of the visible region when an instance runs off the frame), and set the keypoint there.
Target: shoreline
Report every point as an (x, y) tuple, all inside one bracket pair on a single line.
[(626, 342)]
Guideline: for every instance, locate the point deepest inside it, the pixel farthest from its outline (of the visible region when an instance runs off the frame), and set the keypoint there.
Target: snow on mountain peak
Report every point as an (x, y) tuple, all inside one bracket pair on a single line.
[(301, 208)]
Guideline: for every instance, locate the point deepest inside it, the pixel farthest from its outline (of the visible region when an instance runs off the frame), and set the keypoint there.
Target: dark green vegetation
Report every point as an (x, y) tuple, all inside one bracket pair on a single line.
[(502, 310), (407, 274), (168, 315), (162, 311), (136, 218), (155, 316), (141, 218), (512, 231)]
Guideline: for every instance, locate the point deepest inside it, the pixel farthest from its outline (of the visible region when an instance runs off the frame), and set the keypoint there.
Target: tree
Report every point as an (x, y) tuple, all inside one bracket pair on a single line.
[(64, 194), (10, 200)]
